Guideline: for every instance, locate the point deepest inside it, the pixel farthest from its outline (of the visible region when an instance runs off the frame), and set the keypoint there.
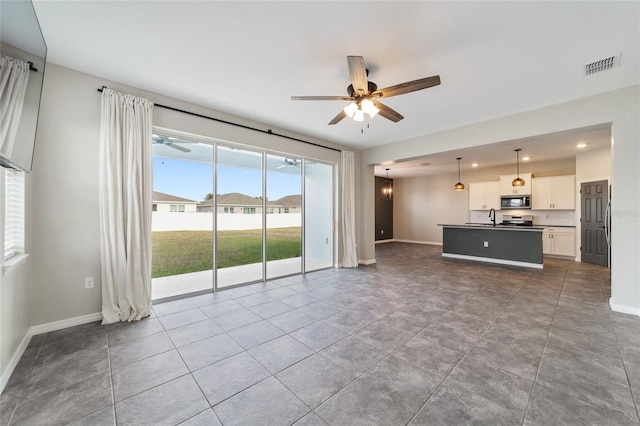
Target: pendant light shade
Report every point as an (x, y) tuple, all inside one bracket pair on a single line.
[(458, 186), (518, 181), (387, 187)]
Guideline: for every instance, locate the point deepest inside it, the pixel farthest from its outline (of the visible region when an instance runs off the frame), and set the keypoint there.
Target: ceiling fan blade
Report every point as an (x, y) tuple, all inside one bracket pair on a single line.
[(338, 117), (321, 98), (387, 112), (409, 86), (358, 74), (178, 147)]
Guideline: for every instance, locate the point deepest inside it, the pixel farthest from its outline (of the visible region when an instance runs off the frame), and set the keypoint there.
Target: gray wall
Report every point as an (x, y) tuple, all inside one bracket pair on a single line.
[(621, 108), (384, 212), (62, 199)]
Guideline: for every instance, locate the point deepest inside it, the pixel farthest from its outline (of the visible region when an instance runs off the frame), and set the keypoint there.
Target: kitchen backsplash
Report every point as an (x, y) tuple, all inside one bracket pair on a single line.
[(540, 217)]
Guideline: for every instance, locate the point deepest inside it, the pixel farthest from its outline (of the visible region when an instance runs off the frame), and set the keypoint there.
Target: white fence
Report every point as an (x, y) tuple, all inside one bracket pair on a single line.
[(203, 221)]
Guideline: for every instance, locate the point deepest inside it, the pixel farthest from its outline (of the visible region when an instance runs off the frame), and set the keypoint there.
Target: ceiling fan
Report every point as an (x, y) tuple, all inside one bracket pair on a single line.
[(167, 141), (363, 94), (288, 162)]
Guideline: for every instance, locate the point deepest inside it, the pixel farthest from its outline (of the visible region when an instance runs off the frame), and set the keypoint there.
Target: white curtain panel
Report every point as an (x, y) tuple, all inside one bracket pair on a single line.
[(350, 255), (125, 206), (14, 77)]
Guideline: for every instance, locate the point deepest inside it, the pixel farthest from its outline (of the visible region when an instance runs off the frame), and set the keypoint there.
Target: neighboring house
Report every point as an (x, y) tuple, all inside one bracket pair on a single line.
[(238, 203), (171, 204), (286, 204)]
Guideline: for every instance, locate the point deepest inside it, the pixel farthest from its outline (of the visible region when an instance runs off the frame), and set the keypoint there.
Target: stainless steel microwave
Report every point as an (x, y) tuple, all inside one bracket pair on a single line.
[(515, 202)]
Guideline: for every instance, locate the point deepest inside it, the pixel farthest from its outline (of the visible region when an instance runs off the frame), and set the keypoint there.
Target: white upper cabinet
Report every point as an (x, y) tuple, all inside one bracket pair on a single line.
[(554, 193), (484, 195), (507, 189)]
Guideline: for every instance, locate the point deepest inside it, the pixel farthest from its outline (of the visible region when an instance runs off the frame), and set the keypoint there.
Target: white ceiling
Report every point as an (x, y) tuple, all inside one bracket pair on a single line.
[(249, 58)]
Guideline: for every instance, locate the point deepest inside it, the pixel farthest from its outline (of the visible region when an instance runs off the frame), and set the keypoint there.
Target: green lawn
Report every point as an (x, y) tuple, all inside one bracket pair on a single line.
[(179, 252)]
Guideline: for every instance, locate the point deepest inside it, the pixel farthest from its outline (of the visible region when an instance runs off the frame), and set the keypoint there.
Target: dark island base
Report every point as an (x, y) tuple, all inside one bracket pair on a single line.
[(504, 246)]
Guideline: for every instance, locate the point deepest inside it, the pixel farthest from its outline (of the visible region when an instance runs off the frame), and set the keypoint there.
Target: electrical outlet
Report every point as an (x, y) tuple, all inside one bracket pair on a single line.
[(88, 282), (486, 243)]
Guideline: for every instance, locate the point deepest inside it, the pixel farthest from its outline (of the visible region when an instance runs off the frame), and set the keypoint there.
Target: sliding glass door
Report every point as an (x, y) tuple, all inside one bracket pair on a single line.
[(182, 218), (318, 223), (283, 216), (239, 216), (225, 215)]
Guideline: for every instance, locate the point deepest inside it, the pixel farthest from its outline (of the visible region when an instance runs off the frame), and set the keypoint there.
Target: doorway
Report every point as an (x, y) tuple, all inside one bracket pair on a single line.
[(594, 200)]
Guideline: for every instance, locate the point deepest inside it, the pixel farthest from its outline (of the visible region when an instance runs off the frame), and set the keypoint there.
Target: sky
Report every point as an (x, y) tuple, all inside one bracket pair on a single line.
[(193, 180)]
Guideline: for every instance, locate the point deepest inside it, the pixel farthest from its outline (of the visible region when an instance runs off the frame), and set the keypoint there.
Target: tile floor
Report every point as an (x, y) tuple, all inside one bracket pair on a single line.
[(415, 339)]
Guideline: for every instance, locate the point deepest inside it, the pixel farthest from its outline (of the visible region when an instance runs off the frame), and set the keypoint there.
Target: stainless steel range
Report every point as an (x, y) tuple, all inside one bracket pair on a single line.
[(525, 220)]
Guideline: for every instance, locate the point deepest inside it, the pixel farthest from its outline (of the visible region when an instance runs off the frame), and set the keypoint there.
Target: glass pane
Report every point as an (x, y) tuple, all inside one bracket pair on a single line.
[(182, 218), (284, 216), (239, 216), (318, 224)]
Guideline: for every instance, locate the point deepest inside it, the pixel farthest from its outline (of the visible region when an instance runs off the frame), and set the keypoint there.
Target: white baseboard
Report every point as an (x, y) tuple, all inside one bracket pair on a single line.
[(65, 323), (492, 260), (390, 240), (366, 262), (39, 329), (624, 309), (431, 243), (4, 379)]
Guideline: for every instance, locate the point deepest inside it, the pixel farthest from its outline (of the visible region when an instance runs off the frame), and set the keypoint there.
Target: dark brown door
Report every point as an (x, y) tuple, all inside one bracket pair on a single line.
[(594, 199)]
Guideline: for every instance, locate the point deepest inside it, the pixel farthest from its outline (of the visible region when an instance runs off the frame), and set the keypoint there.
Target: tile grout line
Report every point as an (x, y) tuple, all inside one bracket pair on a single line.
[(464, 356), (546, 340)]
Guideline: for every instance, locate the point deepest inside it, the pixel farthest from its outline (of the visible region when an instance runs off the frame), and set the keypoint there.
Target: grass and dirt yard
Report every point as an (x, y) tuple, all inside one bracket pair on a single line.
[(180, 252)]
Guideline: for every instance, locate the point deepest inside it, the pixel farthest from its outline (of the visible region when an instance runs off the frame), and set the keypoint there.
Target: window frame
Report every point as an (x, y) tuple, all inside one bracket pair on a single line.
[(13, 219)]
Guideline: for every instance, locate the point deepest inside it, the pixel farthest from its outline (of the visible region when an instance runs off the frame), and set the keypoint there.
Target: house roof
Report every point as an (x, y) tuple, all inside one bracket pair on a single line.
[(238, 199), (161, 197), (289, 201)]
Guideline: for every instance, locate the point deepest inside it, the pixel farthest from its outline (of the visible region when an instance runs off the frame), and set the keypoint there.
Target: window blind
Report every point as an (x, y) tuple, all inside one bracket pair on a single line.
[(14, 214)]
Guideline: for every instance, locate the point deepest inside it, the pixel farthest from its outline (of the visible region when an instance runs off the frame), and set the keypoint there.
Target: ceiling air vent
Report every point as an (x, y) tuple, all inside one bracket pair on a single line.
[(601, 65)]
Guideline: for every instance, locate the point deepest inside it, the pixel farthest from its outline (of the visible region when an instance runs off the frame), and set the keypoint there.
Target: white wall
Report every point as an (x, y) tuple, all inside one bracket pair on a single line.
[(620, 107)]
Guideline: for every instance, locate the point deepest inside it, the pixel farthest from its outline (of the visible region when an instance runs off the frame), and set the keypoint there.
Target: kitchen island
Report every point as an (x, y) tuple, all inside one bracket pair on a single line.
[(508, 245)]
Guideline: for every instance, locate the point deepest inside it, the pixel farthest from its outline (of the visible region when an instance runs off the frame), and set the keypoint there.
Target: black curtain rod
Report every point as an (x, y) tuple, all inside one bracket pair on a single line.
[(268, 131)]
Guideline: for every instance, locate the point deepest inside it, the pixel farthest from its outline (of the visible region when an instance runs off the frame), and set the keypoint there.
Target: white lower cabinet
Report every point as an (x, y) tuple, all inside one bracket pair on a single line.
[(559, 241)]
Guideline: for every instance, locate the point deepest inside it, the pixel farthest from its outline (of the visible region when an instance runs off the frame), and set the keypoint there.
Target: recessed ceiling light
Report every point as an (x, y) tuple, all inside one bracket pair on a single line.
[(526, 158), (474, 165), (581, 145)]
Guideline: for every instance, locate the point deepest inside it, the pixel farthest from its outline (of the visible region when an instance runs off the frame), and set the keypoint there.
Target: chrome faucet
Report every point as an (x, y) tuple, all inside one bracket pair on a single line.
[(493, 218)]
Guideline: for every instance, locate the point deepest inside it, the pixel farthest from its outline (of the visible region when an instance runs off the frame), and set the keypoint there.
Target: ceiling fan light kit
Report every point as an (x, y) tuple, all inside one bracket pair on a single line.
[(363, 94)]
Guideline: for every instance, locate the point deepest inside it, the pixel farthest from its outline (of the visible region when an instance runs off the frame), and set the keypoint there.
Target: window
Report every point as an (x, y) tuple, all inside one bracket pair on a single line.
[(249, 210), (286, 209), (176, 208), (13, 213), (154, 207), (270, 210)]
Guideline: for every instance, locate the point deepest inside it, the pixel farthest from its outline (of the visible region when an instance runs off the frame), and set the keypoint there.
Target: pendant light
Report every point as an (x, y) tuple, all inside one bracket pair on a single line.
[(459, 186), (518, 181), (387, 187)]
